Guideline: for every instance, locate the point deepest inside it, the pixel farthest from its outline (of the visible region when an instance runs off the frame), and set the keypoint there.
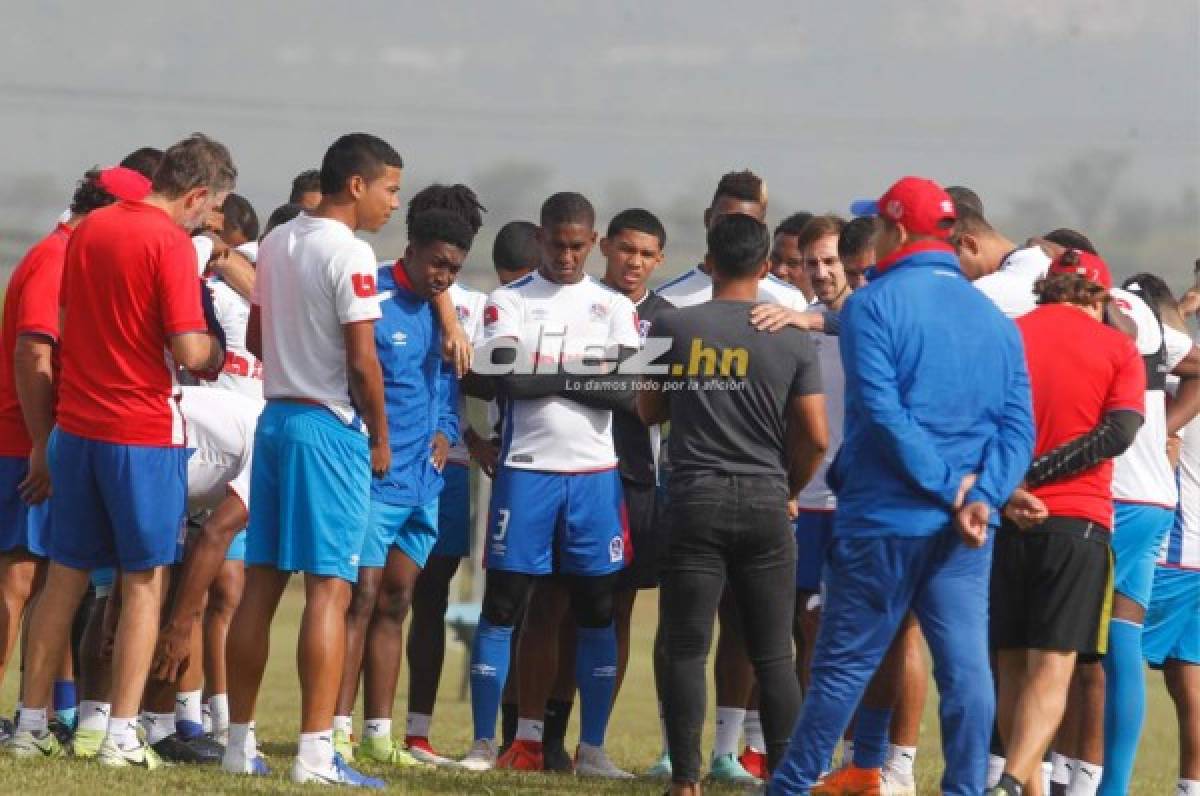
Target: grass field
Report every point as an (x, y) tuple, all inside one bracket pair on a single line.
[(633, 738)]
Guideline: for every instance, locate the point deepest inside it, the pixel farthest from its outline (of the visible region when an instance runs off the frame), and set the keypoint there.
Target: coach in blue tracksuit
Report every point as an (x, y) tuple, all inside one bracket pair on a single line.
[(938, 433)]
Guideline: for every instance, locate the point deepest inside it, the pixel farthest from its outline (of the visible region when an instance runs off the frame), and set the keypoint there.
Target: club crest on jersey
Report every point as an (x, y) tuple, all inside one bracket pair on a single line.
[(643, 328), (491, 314), (598, 312)]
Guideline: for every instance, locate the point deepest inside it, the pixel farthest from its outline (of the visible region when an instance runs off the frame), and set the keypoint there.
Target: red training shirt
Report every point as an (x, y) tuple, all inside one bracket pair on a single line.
[(30, 307), (130, 282), (1079, 370)]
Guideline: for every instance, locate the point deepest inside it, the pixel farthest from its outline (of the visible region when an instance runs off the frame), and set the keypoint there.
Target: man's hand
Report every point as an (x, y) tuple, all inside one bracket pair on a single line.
[(456, 349), (963, 488), (972, 523), (1025, 509), (36, 486), (1190, 303), (773, 317), (381, 457), (172, 653), (793, 507), (1174, 448), (441, 450), (484, 451)]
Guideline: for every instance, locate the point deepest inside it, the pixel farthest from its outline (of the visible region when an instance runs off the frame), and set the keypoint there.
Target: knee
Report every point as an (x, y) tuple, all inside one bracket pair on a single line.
[(504, 597), (592, 600), (394, 602), (363, 601)]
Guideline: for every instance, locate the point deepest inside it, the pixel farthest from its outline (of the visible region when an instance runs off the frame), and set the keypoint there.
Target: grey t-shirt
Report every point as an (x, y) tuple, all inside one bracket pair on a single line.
[(729, 386)]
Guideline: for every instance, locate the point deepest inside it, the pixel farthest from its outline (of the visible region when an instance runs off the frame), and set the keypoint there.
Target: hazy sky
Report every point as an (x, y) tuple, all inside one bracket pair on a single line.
[(625, 101)]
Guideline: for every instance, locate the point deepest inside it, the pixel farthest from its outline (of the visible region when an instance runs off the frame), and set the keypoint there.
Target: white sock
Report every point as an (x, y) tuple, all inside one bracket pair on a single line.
[(157, 725), (847, 752), (206, 719), (316, 749), (529, 730), (123, 732), (1047, 771), (417, 725), (900, 762), (729, 731), (1188, 787), (93, 715), (752, 726), (1086, 779), (188, 706), (344, 724), (662, 727), (377, 728), (1061, 775), (32, 720), (218, 708), (241, 738), (995, 770)]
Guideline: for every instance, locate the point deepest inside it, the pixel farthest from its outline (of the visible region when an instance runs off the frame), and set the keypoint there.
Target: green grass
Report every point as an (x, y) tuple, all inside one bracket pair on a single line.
[(633, 738)]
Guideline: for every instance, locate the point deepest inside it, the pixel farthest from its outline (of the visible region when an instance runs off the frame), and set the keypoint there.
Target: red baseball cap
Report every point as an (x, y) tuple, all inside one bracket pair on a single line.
[(124, 183), (1074, 261), (921, 206)]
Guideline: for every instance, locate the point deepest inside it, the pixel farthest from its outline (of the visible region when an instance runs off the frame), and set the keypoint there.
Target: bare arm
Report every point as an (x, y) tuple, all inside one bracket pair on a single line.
[(366, 389), (254, 332), (33, 372), (197, 351), (456, 346), (238, 272), (807, 439), (1185, 405)]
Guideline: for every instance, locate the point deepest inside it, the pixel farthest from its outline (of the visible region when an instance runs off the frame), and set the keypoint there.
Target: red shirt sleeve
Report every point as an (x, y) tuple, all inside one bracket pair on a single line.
[(37, 312), (179, 289), (1128, 388)]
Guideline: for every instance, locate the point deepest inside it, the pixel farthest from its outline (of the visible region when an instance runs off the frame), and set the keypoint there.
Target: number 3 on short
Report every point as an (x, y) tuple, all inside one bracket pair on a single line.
[(502, 517)]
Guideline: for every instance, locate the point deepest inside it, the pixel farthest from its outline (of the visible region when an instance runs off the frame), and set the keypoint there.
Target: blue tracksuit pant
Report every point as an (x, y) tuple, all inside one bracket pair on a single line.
[(871, 583)]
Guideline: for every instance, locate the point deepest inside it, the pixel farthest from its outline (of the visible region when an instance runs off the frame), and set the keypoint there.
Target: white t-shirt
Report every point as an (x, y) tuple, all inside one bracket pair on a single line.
[(1011, 287), (1142, 473), (220, 429), (314, 277), (816, 495), (1181, 547), (556, 322), (242, 371), (696, 287), (468, 304)]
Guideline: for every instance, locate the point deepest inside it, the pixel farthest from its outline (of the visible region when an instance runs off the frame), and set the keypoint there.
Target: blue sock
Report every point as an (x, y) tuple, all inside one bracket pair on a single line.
[(596, 674), (489, 670), (871, 737), (1124, 705), (65, 702)]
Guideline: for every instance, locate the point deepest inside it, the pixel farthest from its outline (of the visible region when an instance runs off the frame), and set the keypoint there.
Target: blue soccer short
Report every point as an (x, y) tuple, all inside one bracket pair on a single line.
[(570, 523), (410, 529), (814, 532), (22, 527), (310, 490), (1138, 533), (116, 505), (1172, 628), (454, 513), (237, 547)]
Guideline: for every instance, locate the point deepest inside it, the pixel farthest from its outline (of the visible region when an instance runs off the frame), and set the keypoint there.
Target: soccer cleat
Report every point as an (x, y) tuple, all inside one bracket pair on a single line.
[(236, 762), (522, 756), (113, 755), (86, 743), (200, 750), (7, 728), (24, 743), (850, 780), (338, 773), (726, 768), (62, 731), (482, 756), (893, 784), (421, 749), (661, 769), (555, 758), (383, 749), (342, 745), (754, 761), (592, 761)]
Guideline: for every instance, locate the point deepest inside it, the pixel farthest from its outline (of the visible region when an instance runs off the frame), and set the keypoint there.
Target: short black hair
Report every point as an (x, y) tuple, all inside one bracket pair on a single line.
[(1154, 291), (968, 220), (144, 161), (516, 247), (857, 236), (1071, 239), (239, 214), (743, 185), (639, 220), (738, 245), (567, 207), (793, 224), (306, 181), (456, 198), (441, 225), (964, 198), (281, 215), (89, 195), (356, 154)]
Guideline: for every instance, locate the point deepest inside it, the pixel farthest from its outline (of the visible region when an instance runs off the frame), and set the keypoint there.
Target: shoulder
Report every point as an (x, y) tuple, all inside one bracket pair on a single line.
[(678, 283)]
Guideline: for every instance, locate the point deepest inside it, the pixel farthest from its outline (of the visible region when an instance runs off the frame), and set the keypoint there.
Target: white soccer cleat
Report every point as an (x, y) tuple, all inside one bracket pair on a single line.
[(482, 756), (592, 761), (894, 784), (337, 773), (236, 761), (113, 755)]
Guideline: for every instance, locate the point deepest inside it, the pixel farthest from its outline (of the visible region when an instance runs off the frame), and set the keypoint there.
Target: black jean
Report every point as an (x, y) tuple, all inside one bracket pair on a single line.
[(735, 529)]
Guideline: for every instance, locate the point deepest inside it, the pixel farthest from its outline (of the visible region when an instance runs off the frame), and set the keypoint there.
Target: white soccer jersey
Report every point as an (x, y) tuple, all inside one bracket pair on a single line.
[(469, 305), (220, 430), (242, 371), (696, 287), (816, 495), (1142, 473), (1181, 547), (313, 277), (553, 322), (1011, 287)]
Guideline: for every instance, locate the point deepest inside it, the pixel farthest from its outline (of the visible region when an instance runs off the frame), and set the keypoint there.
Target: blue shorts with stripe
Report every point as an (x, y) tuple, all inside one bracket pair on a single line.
[(1138, 533), (309, 492), (22, 526), (454, 513), (1172, 627)]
